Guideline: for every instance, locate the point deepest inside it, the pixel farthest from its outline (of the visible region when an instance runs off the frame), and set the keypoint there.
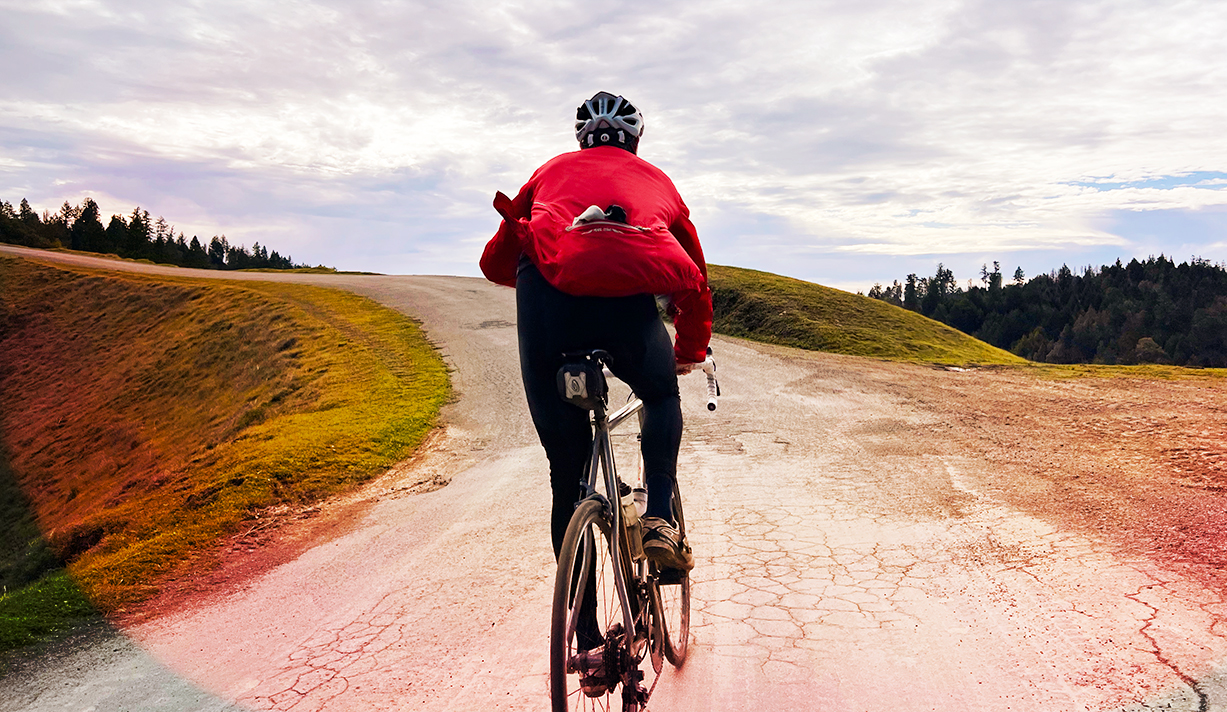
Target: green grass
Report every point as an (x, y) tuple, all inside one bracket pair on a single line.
[(781, 310), (146, 418), (37, 597), (49, 605)]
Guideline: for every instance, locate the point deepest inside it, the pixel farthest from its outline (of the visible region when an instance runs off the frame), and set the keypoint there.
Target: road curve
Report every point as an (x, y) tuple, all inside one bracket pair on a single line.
[(853, 554)]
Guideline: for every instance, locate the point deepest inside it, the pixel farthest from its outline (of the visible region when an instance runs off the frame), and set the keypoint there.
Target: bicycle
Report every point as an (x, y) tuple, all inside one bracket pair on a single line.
[(641, 611)]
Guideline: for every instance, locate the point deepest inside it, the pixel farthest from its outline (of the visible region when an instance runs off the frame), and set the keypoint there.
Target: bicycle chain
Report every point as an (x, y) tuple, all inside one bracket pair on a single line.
[(649, 695), (654, 681)]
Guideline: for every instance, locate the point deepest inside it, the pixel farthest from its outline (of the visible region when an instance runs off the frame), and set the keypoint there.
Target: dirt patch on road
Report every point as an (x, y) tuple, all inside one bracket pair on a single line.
[(1140, 463)]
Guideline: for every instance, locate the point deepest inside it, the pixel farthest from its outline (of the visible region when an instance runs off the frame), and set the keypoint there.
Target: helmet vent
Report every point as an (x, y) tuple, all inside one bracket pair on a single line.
[(613, 119)]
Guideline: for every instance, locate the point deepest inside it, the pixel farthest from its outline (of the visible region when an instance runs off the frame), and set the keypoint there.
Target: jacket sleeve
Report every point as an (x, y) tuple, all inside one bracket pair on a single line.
[(693, 322), (694, 307), (685, 234), (502, 253)]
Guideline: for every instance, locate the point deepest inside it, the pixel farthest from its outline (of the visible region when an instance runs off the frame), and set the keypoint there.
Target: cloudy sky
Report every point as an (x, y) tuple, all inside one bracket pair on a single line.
[(843, 143)]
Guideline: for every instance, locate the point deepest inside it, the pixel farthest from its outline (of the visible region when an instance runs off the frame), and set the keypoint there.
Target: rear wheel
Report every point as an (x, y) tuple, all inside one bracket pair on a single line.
[(672, 599), (587, 638)]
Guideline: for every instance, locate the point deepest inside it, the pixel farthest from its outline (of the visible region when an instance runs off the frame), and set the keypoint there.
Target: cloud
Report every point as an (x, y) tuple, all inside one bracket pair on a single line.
[(804, 132)]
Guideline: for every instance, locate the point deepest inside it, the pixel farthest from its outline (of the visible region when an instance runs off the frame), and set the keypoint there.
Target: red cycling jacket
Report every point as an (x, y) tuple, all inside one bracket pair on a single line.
[(656, 252)]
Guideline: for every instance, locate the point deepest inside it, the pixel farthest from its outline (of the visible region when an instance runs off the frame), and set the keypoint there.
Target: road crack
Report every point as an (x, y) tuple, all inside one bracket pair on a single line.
[(1203, 704)]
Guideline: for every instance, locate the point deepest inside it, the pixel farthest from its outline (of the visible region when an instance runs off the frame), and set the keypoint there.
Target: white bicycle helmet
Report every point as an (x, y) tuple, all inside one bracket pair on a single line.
[(608, 120)]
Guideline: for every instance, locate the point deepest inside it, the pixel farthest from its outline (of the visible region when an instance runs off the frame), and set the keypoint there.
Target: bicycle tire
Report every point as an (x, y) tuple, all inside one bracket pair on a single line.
[(672, 599), (584, 560)]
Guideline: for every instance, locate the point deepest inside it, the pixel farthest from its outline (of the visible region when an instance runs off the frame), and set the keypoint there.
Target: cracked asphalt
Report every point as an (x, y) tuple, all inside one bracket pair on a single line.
[(869, 536)]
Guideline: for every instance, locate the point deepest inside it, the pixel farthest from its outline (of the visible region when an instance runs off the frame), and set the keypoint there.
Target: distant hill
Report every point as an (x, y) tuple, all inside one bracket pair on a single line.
[(782, 310)]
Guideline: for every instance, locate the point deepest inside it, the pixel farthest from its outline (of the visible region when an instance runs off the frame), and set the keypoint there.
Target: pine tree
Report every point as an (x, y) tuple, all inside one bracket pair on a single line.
[(217, 251), (196, 255), (137, 244), (116, 235), (28, 216), (911, 300), (994, 277), (162, 231), (86, 232)]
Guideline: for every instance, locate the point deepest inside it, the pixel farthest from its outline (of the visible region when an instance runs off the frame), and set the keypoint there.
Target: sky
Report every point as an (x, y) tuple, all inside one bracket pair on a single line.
[(841, 143)]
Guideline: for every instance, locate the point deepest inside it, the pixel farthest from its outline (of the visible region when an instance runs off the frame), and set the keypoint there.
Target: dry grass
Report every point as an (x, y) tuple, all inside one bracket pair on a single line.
[(145, 418)]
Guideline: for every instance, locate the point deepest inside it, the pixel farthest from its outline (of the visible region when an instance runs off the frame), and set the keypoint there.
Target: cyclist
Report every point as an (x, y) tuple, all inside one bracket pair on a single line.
[(587, 242)]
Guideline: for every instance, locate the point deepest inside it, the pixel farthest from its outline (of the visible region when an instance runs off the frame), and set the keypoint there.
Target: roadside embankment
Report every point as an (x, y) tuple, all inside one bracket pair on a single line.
[(142, 419), (789, 312)]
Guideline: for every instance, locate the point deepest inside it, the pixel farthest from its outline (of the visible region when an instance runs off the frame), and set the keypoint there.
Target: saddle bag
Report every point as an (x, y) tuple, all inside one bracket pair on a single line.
[(582, 384)]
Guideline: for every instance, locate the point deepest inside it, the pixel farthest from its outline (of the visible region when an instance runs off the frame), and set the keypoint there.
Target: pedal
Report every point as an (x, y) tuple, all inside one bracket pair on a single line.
[(670, 577)]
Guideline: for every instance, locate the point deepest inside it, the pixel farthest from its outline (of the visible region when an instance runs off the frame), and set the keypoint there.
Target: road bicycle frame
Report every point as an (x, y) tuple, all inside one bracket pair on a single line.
[(603, 460), (637, 586)]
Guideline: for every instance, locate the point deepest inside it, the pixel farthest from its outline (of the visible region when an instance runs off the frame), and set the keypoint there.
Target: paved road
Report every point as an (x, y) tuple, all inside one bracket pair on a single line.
[(852, 555)]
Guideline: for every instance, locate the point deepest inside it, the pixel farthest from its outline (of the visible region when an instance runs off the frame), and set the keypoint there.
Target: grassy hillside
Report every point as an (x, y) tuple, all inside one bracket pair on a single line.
[(141, 419), (781, 310)]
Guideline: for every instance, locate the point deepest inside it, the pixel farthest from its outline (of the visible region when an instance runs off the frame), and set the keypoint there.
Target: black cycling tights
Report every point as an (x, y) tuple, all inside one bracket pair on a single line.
[(552, 323)]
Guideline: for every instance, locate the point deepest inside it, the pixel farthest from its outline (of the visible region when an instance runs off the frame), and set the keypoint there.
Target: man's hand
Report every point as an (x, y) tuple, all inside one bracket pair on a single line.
[(684, 367)]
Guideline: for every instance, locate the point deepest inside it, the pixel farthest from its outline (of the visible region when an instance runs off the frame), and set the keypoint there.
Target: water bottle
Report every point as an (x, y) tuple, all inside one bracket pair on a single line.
[(630, 511), (634, 504)]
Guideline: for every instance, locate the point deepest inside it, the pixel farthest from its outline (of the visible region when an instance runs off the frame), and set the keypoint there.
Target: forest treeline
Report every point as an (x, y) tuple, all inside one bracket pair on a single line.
[(135, 236), (1154, 311)]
